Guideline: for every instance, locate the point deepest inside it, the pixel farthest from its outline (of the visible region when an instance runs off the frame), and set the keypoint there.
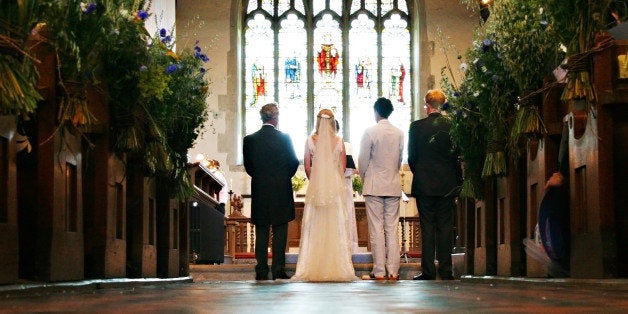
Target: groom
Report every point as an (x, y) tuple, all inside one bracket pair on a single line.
[(270, 160), (381, 151)]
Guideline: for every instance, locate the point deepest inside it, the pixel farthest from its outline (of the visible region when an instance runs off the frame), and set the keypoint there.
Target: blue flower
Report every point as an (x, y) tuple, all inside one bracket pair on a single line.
[(88, 8), (166, 39), (142, 14), (445, 106), (197, 48), (456, 94), (171, 68), (163, 32)]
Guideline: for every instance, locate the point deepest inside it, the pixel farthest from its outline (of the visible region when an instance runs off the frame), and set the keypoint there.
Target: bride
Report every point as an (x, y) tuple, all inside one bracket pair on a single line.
[(325, 250)]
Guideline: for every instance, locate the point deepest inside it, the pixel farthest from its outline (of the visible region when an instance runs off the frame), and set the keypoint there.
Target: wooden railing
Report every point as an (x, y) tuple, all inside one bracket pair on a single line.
[(240, 233)]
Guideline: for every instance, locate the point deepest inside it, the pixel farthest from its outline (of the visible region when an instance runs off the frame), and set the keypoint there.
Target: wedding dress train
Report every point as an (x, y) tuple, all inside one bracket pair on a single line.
[(325, 250)]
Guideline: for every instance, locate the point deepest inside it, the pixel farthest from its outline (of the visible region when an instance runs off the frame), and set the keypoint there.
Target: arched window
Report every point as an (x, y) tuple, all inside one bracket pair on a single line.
[(339, 54)]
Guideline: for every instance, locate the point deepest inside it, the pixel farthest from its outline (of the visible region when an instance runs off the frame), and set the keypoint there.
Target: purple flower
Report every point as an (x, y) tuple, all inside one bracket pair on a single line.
[(197, 48), (163, 32), (88, 8), (204, 57), (445, 106), (456, 94), (202, 70), (166, 39), (171, 68), (486, 44), (142, 14)]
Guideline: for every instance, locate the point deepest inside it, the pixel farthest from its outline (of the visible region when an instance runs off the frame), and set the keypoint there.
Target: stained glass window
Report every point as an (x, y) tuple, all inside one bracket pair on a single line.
[(338, 54)]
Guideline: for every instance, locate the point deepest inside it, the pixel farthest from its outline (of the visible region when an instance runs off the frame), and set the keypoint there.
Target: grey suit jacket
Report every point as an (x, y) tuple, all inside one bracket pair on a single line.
[(379, 162)]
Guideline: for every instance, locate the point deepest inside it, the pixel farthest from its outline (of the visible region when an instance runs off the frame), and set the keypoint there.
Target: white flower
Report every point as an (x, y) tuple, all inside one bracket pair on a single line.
[(476, 94), (464, 66)]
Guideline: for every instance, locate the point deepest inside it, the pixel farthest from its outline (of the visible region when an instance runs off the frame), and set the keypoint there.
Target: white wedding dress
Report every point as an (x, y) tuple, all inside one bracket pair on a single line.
[(325, 251)]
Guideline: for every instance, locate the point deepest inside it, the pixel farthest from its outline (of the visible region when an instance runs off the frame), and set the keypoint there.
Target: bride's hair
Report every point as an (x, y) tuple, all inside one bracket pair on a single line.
[(324, 116)]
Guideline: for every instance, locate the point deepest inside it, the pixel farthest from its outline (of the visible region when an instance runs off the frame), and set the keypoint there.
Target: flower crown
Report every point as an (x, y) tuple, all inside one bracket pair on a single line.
[(324, 116)]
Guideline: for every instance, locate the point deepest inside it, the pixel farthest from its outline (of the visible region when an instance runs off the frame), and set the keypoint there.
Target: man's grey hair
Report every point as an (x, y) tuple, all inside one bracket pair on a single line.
[(268, 112)]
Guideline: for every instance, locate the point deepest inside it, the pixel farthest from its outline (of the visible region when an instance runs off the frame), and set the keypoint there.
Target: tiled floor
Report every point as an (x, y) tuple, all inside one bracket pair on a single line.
[(211, 294), (281, 296)]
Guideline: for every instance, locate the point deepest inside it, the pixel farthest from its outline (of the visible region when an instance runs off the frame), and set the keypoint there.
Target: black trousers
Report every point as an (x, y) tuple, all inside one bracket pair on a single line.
[(280, 240), (436, 214)]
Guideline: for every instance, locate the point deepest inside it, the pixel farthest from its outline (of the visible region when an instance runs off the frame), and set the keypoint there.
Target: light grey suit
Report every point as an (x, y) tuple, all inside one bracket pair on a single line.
[(379, 162)]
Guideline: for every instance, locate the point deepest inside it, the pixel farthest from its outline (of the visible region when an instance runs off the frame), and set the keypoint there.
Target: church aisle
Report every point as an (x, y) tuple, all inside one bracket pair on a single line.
[(282, 296)]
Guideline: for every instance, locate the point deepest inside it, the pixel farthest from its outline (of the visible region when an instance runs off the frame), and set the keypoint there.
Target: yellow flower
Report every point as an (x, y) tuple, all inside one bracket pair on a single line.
[(173, 55)]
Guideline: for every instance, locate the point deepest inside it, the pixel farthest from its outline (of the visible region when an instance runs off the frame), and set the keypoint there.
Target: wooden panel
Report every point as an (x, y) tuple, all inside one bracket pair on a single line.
[(294, 227)]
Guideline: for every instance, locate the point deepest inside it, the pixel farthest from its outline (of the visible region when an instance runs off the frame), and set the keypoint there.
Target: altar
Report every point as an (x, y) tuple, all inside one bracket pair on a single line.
[(240, 233), (294, 227)]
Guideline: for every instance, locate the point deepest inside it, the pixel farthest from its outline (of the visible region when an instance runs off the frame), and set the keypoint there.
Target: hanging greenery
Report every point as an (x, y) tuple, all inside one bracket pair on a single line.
[(482, 110), (178, 107), (530, 53), (578, 21), (156, 97), (17, 67), (497, 102)]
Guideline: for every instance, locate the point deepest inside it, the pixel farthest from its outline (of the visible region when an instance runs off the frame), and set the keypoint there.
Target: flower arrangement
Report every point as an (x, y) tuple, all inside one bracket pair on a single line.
[(298, 181), (531, 40), (180, 107), (155, 96), (495, 105), (478, 108), (356, 183)]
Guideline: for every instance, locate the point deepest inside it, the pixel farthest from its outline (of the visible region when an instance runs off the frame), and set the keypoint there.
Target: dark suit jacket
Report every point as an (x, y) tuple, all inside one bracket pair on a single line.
[(434, 165), (270, 160)]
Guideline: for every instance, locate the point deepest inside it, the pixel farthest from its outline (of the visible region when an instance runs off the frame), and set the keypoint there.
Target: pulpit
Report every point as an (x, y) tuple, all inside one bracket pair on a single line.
[(207, 223)]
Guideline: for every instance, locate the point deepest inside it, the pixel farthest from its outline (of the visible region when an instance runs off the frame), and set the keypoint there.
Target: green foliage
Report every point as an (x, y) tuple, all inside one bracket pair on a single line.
[(577, 21), (122, 54), (529, 47), (76, 30), (156, 98), (497, 102), (17, 70), (173, 88), (356, 183), (298, 181), (481, 111)]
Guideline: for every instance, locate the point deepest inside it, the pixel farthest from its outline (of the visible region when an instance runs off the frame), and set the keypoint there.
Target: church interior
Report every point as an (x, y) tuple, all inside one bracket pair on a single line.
[(112, 166)]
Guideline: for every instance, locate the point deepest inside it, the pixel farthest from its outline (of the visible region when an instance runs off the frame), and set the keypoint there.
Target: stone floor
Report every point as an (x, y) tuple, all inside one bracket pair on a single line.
[(202, 292)]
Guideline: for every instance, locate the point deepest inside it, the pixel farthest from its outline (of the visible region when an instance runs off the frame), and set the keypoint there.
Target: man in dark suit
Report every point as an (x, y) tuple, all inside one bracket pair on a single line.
[(270, 160), (436, 176)]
